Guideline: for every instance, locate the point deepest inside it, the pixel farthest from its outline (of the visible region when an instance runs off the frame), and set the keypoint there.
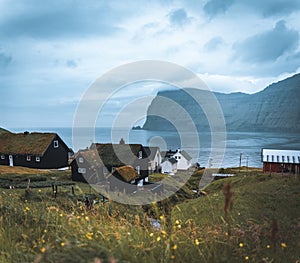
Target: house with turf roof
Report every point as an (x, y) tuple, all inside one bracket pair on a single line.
[(124, 179), (33, 150), (101, 159)]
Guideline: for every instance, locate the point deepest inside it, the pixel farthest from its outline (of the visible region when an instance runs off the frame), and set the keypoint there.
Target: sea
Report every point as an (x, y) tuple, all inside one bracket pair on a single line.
[(231, 149)]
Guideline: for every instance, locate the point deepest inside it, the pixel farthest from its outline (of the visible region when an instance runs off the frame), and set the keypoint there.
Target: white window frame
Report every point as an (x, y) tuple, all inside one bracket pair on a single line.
[(80, 159), (138, 169), (55, 144), (28, 158), (140, 154), (37, 159), (2, 157)]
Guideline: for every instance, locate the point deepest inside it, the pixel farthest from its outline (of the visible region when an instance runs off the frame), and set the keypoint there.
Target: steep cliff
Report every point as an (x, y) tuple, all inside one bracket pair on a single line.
[(276, 108)]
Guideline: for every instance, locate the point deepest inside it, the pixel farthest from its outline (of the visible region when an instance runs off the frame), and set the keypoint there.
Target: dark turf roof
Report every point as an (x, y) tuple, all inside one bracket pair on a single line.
[(126, 172), (117, 154), (25, 143)]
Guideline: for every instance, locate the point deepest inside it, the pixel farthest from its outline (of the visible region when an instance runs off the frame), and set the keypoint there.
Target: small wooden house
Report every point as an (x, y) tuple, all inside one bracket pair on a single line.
[(183, 159), (181, 156), (124, 179), (34, 150), (154, 157), (169, 166), (281, 161), (102, 159)]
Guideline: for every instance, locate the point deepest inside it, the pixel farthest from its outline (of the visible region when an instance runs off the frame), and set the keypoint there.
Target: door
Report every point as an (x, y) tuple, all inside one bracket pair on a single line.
[(11, 160)]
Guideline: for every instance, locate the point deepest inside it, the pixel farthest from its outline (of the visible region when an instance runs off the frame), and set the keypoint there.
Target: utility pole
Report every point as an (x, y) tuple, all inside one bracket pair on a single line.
[(240, 162)]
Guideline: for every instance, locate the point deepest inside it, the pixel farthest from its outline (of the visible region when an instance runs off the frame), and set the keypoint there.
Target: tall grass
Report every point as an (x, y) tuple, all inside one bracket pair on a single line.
[(255, 220)]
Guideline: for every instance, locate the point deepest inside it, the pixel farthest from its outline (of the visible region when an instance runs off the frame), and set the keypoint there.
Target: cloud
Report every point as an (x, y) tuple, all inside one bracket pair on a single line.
[(272, 7), (213, 44), (267, 46), (5, 60), (215, 7), (179, 17), (57, 19), (71, 64)]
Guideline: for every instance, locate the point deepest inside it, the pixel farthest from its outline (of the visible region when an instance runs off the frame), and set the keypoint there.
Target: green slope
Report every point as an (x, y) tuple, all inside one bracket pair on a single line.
[(263, 225)]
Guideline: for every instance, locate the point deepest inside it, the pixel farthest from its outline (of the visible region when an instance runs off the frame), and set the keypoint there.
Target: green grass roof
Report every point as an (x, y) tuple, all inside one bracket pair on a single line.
[(25, 143)]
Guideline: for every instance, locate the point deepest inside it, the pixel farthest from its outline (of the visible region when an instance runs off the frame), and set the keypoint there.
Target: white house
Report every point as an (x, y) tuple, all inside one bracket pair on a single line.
[(169, 165), (183, 159), (154, 157)]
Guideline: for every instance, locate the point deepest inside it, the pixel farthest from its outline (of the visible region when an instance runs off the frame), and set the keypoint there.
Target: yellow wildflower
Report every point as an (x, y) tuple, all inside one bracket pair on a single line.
[(89, 235), (283, 245), (179, 226), (151, 234), (158, 239), (174, 247), (197, 243), (163, 232), (241, 244), (268, 246), (43, 249), (62, 244), (246, 258), (87, 218), (26, 209), (177, 222)]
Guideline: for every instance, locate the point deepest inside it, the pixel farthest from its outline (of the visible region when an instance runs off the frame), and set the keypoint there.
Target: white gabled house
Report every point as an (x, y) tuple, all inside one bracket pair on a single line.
[(169, 166), (154, 157), (183, 159)]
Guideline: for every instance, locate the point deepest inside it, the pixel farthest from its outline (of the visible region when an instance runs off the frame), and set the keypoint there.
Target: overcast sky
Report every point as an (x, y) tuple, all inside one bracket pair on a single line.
[(52, 51)]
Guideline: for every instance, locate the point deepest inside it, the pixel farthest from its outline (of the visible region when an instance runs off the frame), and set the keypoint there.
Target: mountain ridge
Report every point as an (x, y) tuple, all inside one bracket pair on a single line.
[(275, 108)]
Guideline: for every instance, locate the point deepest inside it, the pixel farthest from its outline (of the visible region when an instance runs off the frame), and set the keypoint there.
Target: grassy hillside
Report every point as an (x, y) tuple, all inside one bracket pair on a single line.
[(3, 130), (260, 224), (259, 221)]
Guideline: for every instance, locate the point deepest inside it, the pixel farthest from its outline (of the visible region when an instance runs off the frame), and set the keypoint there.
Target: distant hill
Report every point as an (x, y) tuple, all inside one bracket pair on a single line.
[(276, 108), (3, 131)]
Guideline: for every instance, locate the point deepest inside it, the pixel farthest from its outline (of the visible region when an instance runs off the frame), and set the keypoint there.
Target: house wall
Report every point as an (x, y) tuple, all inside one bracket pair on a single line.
[(167, 167), (53, 157), (278, 168), (4, 159), (182, 162)]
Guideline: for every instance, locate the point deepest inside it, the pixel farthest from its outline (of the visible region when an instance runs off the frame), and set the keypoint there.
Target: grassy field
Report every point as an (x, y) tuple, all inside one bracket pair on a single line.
[(252, 217)]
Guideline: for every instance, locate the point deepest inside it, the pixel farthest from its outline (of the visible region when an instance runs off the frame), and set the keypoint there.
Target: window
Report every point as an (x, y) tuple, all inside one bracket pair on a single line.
[(81, 170), (37, 159), (288, 159), (55, 144), (179, 157), (267, 158), (2, 156), (278, 158), (80, 159), (293, 159), (282, 158), (28, 158), (138, 169), (140, 154)]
